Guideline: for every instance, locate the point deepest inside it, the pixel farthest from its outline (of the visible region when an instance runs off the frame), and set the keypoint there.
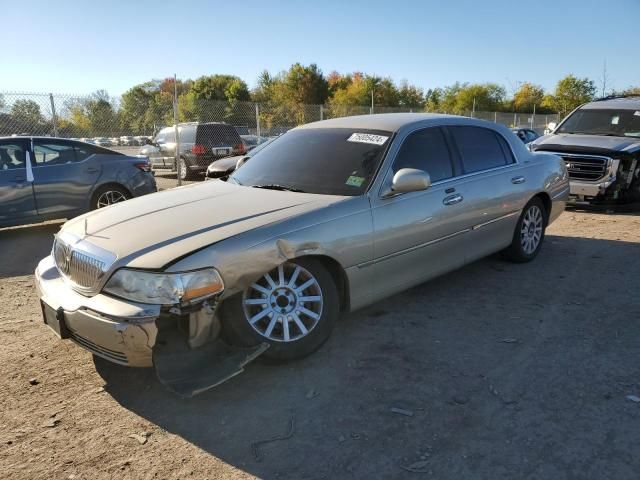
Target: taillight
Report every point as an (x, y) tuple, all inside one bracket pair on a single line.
[(198, 150), (239, 148), (145, 167)]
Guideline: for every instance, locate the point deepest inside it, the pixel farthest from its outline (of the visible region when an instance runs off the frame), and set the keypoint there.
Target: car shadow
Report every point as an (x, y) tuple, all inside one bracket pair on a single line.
[(436, 352), (21, 248)]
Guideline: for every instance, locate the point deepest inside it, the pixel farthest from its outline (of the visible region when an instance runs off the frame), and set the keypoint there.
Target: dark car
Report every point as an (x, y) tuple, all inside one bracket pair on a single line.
[(525, 134), (200, 144), (226, 166), (44, 178), (600, 144)]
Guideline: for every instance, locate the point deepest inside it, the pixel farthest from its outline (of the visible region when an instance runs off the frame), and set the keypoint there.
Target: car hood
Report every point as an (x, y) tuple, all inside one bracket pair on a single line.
[(595, 144), (224, 164), (148, 149), (154, 230)]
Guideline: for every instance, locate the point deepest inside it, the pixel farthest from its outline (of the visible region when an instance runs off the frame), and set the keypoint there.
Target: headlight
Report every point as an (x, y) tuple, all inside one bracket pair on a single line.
[(165, 288)]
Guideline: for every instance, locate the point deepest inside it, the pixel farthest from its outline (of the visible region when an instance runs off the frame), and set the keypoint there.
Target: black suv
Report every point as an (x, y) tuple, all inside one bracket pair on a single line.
[(600, 144), (200, 144)]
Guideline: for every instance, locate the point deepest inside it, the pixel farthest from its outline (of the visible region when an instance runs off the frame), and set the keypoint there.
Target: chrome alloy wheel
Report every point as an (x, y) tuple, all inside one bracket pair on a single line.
[(531, 231), (110, 197), (285, 304)]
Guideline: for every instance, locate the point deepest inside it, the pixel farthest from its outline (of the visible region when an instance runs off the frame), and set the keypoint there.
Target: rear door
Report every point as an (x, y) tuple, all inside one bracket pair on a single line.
[(16, 191), (492, 187), (64, 174)]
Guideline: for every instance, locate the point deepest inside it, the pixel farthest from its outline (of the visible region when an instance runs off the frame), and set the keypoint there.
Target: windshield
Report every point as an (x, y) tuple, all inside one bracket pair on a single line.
[(622, 123), (260, 146), (329, 161)]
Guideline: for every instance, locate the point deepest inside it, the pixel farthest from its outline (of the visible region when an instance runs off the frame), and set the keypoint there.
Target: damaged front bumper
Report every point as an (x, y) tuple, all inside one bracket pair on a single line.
[(183, 345), (120, 331)]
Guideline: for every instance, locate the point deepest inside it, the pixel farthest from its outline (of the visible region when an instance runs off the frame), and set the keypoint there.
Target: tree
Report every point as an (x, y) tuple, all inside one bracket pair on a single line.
[(102, 117), (27, 113), (306, 85), (528, 96), (220, 87), (433, 100), (410, 96), (632, 91), (460, 98), (571, 92)]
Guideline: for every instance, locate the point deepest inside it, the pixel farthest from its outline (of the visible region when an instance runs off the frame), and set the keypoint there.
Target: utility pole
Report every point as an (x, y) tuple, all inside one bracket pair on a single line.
[(605, 78), (53, 115), (175, 128)]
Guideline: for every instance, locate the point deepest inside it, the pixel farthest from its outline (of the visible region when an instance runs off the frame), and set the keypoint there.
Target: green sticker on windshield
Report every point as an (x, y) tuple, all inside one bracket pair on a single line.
[(354, 181)]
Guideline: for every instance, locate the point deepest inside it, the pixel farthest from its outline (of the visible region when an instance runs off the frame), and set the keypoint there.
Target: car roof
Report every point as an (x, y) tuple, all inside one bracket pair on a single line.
[(615, 103), (390, 122)]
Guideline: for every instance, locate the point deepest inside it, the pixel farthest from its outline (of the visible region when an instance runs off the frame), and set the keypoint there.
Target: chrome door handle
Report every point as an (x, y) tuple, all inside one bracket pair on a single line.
[(518, 180), (452, 199)]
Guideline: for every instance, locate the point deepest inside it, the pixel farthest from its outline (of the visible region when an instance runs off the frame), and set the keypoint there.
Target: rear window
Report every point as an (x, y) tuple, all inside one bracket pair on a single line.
[(480, 148), (217, 135)]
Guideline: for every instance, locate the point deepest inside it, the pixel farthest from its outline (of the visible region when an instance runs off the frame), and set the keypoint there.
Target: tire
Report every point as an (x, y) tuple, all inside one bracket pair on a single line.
[(109, 195), (286, 305), (185, 172), (529, 233)]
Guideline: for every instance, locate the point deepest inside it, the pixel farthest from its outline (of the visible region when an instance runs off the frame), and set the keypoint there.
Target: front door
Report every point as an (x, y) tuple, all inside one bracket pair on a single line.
[(419, 235), (17, 203)]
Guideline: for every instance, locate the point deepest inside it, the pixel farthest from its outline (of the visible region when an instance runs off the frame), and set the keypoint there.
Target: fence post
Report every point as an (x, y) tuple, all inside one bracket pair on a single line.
[(53, 115), (258, 121), (175, 128), (495, 117), (515, 119), (321, 112)]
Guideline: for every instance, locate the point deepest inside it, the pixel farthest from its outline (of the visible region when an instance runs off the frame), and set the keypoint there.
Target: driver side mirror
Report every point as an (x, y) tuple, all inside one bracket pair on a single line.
[(409, 180)]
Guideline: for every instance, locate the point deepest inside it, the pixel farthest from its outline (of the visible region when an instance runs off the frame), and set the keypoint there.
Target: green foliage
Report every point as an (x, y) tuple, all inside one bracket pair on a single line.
[(27, 112), (528, 96), (571, 92)]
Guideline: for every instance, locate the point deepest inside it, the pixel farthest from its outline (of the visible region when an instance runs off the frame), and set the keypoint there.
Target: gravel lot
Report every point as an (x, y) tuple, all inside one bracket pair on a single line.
[(500, 371)]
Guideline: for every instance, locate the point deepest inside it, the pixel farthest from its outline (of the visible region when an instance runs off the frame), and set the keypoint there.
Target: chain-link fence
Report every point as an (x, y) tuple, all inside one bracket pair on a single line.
[(129, 124)]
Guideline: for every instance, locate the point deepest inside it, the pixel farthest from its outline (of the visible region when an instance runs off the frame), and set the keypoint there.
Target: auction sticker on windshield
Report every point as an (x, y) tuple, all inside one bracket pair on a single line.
[(367, 138)]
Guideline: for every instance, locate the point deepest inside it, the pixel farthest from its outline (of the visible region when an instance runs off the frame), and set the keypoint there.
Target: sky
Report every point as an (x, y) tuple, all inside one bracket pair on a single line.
[(77, 47)]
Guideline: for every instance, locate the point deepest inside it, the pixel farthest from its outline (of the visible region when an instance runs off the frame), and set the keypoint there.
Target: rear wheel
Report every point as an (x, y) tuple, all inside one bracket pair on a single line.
[(185, 172), (109, 195), (292, 308), (529, 233)]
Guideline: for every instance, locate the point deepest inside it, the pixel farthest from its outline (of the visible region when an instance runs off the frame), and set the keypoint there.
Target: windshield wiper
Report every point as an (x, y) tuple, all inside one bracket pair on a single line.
[(275, 186)]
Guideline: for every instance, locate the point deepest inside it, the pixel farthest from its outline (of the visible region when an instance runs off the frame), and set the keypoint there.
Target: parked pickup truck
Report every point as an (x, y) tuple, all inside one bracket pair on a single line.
[(600, 144)]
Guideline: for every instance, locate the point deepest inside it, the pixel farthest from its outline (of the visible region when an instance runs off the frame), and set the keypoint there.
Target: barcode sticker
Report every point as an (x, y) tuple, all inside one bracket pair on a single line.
[(367, 138)]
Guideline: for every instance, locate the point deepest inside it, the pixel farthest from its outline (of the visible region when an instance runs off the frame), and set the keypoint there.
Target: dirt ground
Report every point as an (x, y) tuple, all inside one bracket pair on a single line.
[(501, 370)]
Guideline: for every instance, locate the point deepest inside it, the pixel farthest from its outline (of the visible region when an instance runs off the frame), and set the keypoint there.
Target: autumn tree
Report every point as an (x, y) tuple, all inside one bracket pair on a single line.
[(570, 93), (528, 96)]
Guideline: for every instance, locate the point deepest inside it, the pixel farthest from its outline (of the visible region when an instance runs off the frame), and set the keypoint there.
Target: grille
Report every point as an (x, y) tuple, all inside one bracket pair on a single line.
[(114, 356), (80, 268), (584, 167)]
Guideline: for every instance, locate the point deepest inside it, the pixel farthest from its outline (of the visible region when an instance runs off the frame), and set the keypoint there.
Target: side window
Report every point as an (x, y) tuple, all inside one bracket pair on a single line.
[(531, 136), (426, 150), (52, 153), (12, 156), (479, 147), (83, 152)]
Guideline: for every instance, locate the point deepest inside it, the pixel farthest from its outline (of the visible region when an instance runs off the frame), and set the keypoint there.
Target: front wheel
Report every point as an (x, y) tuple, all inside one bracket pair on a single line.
[(529, 233), (292, 308)]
